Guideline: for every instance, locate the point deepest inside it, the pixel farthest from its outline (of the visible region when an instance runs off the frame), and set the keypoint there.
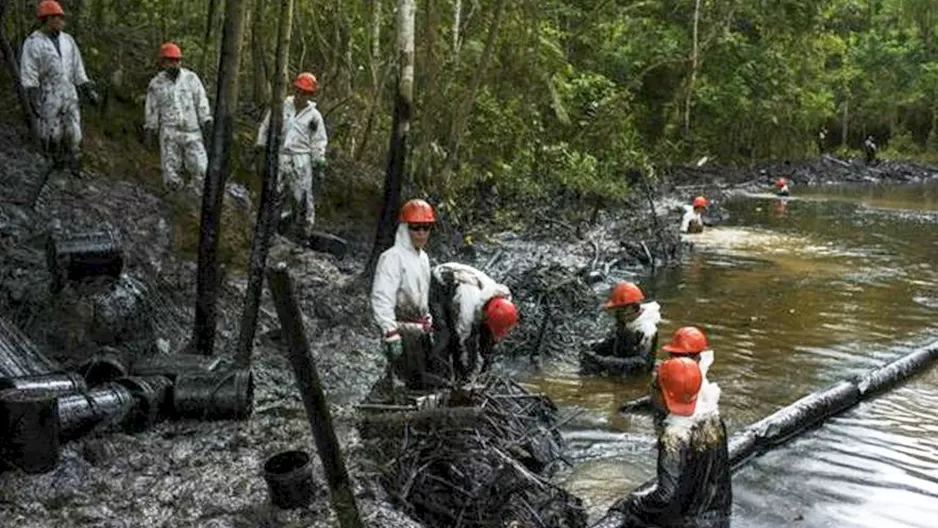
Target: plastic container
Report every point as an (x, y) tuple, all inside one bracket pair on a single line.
[(289, 477), (175, 365), (29, 430), (153, 397), (108, 365), (83, 255), (100, 408), (218, 396), (61, 383)]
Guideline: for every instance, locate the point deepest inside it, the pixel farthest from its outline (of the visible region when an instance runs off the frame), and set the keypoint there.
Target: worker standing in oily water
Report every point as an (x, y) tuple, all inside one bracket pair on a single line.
[(630, 350), (471, 313), (177, 110), (687, 342), (694, 487), (692, 222), (400, 299), (781, 187), (53, 74), (302, 153)]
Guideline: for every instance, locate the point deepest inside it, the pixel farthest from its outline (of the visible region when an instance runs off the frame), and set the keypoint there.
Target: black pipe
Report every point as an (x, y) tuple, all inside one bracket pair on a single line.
[(105, 406), (29, 438), (83, 255), (59, 383)]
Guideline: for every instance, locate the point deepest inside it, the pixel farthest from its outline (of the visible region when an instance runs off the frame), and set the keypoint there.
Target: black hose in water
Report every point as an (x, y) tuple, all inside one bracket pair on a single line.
[(60, 383), (29, 429), (218, 396), (106, 406)]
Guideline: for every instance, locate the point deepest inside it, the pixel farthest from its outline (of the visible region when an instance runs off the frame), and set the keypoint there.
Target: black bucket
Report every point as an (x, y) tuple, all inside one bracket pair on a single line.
[(29, 430), (153, 396), (105, 406), (289, 477), (175, 365), (75, 257), (108, 365), (221, 396), (62, 383)]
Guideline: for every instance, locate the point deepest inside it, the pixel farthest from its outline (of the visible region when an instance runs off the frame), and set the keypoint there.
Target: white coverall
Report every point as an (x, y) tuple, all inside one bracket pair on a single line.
[(179, 110), (56, 73), (303, 143), (690, 216), (474, 289)]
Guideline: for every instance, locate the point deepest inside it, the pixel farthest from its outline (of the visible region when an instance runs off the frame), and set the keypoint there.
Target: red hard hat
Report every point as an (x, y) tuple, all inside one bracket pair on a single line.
[(306, 82), (49, 8), (417, 211), (170, 50), (679, 380), (781, 182), (687, 340), (700, 201), (623, 294), (501, 315)]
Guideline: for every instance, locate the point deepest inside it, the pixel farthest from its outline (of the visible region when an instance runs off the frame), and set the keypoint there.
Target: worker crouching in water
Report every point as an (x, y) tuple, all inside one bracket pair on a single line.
[(400, 297), (471, 312), (694, 489), (52, 73), (781, 187), (302, 152), (631, 350), (692, 222), (177, 109)]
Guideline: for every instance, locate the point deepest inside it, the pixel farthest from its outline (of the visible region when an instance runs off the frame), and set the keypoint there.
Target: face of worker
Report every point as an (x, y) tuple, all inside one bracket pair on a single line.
[(419, 234), (301, 98), (55, 23), (626, 314), (699, 210), (171, 66)]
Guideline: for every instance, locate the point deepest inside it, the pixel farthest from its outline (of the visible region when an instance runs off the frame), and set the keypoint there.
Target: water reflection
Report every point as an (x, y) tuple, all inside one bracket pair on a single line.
[(794, 297)]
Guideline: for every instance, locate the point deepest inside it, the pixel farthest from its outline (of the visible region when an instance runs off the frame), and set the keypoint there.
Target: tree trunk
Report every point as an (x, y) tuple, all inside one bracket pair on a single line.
[(261, 91), (314, 399), (13, 68), (844, 133), (457, 20), (394, 176), (207, 38), (226, 103), (693, 73), (267, 213), (461, 119)]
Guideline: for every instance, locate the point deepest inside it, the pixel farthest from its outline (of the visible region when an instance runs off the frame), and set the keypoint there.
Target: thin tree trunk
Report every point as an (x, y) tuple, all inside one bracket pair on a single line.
[(457, 20), (394, 176), (261, 91), (844, 133), (461, 118), (693, 73), (207, 38), (226, 103), (267, 212), (13, 68)]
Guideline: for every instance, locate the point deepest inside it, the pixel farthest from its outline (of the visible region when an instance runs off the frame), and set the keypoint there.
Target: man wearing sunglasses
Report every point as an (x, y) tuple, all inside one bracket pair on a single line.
[(399, 298)]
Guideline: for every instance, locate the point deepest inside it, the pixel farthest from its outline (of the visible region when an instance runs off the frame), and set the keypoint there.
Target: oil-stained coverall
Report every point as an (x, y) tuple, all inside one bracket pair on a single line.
[(179, 110), (399, 302)]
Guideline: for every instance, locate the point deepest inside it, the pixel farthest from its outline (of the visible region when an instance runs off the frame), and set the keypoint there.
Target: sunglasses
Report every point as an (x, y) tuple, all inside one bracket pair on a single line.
[(419, 227)]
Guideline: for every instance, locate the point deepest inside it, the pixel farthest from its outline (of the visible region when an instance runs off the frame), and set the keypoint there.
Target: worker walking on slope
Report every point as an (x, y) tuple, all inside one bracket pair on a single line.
[(471, 312), (631, 349), (694, 488), (302, 152), (400, 297), (53, 74), (692, 222), (177, 110)]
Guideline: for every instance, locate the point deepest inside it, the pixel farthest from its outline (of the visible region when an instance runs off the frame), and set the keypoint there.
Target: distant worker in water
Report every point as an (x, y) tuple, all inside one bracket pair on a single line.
[(177, 110), (781, 187), (692, 222), (302, 153), (471, 313), (631, 348), (400, 296), (869, 148), (822, 140), (694, 488), (53, 74)]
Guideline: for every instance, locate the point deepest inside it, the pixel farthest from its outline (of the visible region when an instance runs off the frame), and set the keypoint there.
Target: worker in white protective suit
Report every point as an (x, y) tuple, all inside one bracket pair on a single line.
[(177, 109), (471, 312), (53, 73), (692, 222), (302, 152), (630, 350), (400, 298)]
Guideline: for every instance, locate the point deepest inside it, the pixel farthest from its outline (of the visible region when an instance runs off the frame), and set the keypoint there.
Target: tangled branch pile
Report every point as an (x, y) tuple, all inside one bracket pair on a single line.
[(482, 458)]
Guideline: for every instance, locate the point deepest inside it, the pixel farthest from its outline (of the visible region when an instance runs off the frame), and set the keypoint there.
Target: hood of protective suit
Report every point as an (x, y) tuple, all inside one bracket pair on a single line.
[(464, 274), (402, 283), (646, 322)]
